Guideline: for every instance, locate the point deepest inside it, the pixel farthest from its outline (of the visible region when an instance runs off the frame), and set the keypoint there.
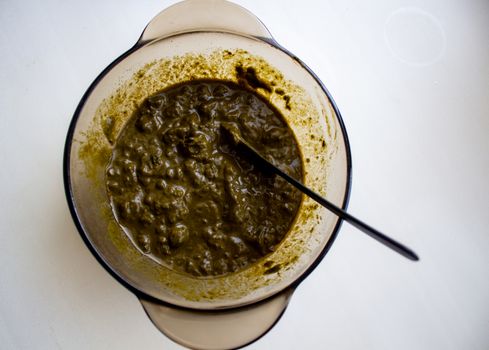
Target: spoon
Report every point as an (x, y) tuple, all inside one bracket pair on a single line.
[(239, 142)]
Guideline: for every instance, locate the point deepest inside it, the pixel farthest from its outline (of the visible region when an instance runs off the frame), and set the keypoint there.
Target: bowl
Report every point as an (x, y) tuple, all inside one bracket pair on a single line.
[(208, 39)]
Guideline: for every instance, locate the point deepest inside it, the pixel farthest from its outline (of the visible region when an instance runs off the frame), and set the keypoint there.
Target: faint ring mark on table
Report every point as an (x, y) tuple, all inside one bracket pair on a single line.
[(414, 36)]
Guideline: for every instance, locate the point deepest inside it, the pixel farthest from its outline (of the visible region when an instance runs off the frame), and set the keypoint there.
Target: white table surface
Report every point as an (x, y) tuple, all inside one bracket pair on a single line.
[(411, 79)]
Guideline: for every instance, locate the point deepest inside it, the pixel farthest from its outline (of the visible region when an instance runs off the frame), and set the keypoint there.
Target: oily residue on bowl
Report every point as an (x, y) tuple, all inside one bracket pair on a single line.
[(252, 72)]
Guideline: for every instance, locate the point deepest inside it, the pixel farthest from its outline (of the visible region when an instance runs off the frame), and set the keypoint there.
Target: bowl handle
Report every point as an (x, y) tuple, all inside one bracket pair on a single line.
[(209, 15), (225, 329)]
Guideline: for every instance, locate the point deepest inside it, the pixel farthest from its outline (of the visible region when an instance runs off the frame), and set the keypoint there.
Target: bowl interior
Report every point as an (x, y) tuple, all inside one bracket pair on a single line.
[(144, 70)]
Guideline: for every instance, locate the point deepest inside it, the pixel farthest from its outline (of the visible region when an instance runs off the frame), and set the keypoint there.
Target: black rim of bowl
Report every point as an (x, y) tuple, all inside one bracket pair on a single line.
[(120, 279)]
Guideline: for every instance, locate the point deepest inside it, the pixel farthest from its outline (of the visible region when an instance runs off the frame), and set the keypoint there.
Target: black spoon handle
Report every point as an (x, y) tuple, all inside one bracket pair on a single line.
[(387, 241)]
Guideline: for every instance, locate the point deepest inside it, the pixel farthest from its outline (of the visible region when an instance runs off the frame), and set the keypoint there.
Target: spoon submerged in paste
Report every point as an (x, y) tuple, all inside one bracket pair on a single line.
[(246, 148)]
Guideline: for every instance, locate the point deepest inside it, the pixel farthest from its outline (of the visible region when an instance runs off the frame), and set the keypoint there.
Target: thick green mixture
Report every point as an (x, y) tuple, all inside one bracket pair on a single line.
[(184, 194)]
